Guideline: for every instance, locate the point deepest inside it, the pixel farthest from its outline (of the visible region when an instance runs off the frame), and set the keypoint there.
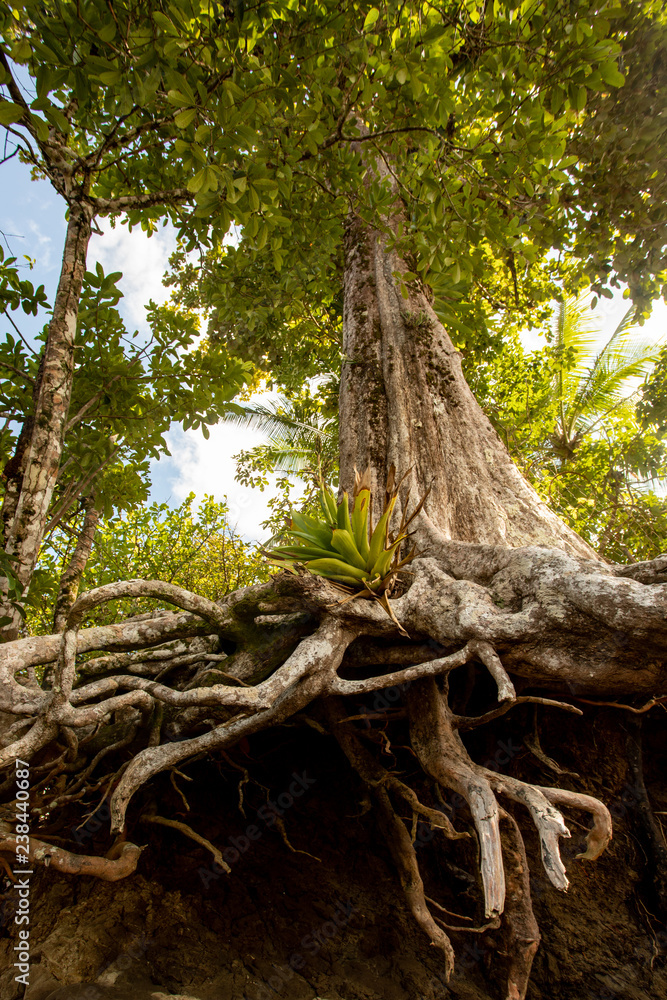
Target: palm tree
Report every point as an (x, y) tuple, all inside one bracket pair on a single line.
[(301, 439), (590, 387)]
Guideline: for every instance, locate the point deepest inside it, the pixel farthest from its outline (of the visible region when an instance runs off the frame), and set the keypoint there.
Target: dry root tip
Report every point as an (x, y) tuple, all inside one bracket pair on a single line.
[(187, 831), (600, 834)]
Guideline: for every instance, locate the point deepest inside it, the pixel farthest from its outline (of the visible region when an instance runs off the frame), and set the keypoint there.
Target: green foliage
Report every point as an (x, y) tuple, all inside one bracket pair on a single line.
[(571, 417), (503, 127), (496, 120), (17, 292), (482, 114), (302, 449), (602, 495), (652, 408), (620, 184), (127, 392), (196, 549), (592, 386), (339, 542), (288, 323), (302, 439)]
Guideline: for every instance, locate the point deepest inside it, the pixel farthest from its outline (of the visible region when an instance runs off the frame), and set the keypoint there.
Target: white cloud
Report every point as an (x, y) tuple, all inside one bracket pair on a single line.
[(205, 466), (196, 465), (143, 261), (44, 243)]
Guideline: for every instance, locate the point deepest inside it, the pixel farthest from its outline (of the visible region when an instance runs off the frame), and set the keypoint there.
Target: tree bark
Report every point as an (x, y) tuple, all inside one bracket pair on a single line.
[(404, 401), (71, 577), (33, 473)]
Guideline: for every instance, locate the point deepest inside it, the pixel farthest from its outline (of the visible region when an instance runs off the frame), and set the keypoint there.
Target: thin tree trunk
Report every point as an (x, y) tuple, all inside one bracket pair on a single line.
[(404, 401), (34, 469), (71, 577)]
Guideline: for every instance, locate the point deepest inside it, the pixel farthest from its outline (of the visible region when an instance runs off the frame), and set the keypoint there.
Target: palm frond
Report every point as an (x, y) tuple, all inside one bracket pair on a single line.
[(278, 419), (575, 327), (596, 384)]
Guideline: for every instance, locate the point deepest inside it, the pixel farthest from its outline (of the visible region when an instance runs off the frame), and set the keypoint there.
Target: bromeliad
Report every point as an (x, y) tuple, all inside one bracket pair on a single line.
[(342, 545)]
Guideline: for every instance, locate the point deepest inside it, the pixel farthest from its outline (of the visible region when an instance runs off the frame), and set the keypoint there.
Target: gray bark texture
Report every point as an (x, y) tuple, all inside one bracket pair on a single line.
[(32, 474), (404, 402)]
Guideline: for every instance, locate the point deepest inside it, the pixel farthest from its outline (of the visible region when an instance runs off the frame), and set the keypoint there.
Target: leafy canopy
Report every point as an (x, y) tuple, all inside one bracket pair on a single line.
[(195, 548), (492, 121)]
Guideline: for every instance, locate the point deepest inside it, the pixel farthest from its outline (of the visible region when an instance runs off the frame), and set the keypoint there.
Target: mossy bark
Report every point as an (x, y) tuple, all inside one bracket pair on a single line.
[(404, 401)]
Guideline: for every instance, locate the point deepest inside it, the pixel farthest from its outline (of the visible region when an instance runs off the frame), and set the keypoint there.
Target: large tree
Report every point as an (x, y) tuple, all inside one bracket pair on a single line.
[(414, 170)]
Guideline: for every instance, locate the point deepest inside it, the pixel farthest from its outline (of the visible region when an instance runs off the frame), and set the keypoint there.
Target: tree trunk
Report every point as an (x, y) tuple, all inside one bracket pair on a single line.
[(71, 577), (34, 469), (404, 401)]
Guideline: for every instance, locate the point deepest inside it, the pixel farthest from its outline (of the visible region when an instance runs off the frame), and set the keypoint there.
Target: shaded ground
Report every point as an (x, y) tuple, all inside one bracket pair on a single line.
[(286, 925)]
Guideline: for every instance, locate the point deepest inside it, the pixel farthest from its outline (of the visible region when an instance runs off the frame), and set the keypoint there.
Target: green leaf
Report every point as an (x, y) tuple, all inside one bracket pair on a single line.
[(196, 183), (343, 543), (336, 569), (178, 99), (371, 18), (185, 118), (610, 74), (108, 31), (110, 77), (10, 113)]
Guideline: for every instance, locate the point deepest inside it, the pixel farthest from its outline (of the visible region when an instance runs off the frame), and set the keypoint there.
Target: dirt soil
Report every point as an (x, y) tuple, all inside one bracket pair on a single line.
[(312, 909)]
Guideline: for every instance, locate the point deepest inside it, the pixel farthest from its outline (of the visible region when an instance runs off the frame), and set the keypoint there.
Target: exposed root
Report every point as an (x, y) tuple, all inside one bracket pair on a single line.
[(521, 935), (307, 673), (539, 614), (172, 778), (187, 831), (532, 741), (473, 650), (464, 722), (404, 857), (449, 913), (443, 756), (394, 830), (491, 925), (436, 817), (548, 821), (39, 853), (600, 834), (646, 707)]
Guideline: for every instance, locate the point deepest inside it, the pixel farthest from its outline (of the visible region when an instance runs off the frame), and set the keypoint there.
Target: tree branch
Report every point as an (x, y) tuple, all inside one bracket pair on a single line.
[(130, 202)]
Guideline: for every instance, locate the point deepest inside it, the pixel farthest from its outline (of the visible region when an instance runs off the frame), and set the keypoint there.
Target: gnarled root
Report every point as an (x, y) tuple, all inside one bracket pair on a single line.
[(494, 600), (442, 755), (394, 830)]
